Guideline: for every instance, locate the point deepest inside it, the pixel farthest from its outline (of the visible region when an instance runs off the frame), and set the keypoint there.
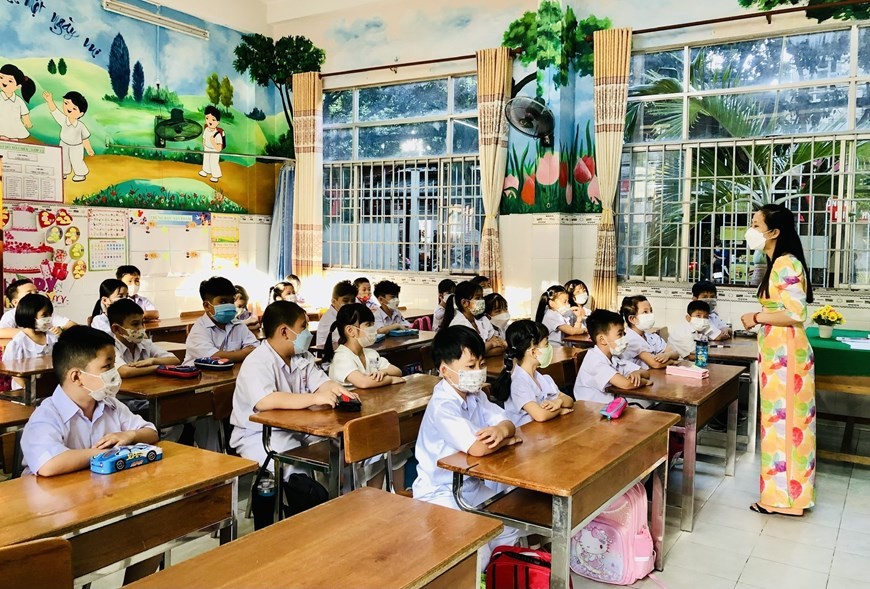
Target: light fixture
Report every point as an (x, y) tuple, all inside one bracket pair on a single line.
[(125, 9)]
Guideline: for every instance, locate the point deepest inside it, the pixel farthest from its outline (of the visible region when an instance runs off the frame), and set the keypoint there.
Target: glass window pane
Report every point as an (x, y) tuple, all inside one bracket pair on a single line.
[(402, 101), (811, 110), (864, 51), (862, 106), (405, 141), (735, 115), (645, 66), (747, 63), (465, 135), (817, 56), (337, 145), (337, 107), (660, 120), (465, 94)]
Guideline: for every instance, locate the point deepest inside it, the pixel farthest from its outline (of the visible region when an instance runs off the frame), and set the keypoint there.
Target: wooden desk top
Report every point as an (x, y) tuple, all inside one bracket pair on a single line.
[(683, 390), (561, 456), (405, 399), (495, 364), (39, 507), (27, 367), (740, 348), (365, 539), (170, 323), (154, 386), (12, 414), (583, 341), (394, 344)]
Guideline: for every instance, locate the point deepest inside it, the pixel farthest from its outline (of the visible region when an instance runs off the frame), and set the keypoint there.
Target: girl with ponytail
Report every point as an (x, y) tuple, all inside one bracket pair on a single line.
[(466, 307), (354, 362), (14, 114), (527, 394)]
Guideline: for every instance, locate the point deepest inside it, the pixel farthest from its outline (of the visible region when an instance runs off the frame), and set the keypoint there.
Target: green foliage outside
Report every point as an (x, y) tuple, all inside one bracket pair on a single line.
[(815, 8)]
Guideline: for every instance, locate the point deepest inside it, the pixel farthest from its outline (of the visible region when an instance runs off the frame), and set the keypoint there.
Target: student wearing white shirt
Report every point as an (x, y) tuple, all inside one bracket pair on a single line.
[(216, 334), (135, 355), (704, 290), (387, 315), (555, 314), (602, 365), (578, 299), (283, 291), (280, 374), (459, 418), (496, 309), (445, 289), (15, 291), (74, 136), (646, 349), (111, 290), (527, 394), (467, 308), (33, 316), (682, 336), (131, 276), (343, 293), (364, 293)]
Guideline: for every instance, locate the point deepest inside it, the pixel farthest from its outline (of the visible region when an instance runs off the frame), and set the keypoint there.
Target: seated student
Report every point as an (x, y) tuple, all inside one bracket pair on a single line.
[(387, 315), (467, 307), (484, 284), (135, 354), (17, 290), (297, 287), (578, 299), (33, 317), (215, 335), (244, 311), (343, 293), (445, 289), (364, 293), (83, 418), (280, 374), (556, 315), (704, 290), (645, 348), (131, 276), (459, 418), (682, 336), (526, 393), (282, 291), (497, 312), (111, 290), (602, 365)]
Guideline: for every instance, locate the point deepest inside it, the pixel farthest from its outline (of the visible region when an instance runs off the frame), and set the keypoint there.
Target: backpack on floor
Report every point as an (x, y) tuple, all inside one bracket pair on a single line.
[(616, 547), (512, 567), (301, 492)]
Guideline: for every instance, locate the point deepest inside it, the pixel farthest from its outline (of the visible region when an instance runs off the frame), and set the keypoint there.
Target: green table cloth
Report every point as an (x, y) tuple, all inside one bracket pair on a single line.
[(835, 358)]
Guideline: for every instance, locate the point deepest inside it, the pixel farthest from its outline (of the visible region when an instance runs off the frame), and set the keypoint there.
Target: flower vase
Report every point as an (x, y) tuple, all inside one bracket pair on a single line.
[(826, 331)]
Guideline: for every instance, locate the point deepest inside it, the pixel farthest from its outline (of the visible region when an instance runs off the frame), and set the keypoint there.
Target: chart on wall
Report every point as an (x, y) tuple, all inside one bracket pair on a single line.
[(107, 238), (224, 241), (33, 172), (166, 243)]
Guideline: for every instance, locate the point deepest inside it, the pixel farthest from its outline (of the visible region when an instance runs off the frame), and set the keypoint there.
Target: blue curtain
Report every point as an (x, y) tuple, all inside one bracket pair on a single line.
[(281, 235)]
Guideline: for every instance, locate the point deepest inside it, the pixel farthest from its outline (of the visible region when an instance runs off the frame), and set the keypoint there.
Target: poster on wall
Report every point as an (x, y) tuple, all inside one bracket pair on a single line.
[(169, 243), (33, 172), (224, 241)]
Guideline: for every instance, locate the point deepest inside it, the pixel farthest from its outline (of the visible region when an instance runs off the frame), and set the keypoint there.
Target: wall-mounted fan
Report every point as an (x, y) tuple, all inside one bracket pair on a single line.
[(175, 128), (530, 116)]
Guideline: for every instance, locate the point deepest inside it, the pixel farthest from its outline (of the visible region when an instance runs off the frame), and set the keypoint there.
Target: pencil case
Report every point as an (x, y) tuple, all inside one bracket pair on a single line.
[(214, 363), (178, 371), (403, 332), (615, 408), (687, 371)]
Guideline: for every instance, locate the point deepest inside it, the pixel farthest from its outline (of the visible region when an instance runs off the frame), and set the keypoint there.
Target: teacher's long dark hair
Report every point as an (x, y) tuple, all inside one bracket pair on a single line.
[(789, 242)]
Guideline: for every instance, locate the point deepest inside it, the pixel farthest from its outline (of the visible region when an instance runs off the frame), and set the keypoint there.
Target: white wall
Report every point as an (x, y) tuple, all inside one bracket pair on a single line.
[(249, 16)]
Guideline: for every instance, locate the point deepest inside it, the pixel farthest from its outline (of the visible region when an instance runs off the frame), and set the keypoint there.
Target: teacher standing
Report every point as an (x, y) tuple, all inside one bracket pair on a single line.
[(788, 389)]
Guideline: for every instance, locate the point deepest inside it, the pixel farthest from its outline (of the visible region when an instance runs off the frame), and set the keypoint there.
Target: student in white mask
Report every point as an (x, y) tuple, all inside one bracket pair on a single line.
[(579, 298), (497, 310), (645, 347), (554, 311), (467, 307), (682, 336)]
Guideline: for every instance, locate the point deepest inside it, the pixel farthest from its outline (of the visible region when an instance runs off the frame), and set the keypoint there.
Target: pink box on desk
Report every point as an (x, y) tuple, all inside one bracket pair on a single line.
[(688, 371)]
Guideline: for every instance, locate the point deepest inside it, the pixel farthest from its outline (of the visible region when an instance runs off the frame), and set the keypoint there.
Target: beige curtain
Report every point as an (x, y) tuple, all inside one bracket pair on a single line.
[(612, 54), (308, 188), (494, 72)]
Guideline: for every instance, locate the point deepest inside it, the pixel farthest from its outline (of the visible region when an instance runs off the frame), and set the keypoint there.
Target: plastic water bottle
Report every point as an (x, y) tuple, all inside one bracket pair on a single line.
[(702, 351), (263, 502), (266, 487)]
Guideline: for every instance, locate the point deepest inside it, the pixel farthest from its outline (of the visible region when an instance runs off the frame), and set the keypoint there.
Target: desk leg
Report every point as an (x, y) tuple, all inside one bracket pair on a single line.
[(752, 418), (659, 511), (690, 448), (336, 464), (154, 413), (230, 532), (30, 390), (731, 439), (560, 571)]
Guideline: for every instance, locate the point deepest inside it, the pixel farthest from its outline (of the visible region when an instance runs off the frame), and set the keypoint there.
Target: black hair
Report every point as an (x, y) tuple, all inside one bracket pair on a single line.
[(276, 291), (479, 280), (28, 86), (107, 289), (446, 286), (360, 281), (121, 309), (494, 300), (29, 307), (352, 314), (629, 306), (544, 302), (570, 286), (76, 348), (216, 286), (464, 291), (789, 242), (280, 313), (449, 342), (13, 287), (600, 321), (123, 271), (698, 305), (386, 287), (242, 292), (294, 280), (344, 289), (213, 111), (701, 287), (78, 100), (521, 336)]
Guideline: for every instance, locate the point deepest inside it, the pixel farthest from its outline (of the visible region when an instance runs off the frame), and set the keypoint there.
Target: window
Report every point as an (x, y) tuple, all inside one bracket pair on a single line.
[(402, 177), (781, 119)]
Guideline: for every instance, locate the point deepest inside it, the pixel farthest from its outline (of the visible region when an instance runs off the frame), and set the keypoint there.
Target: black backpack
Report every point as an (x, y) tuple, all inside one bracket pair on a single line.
[(301, 492)]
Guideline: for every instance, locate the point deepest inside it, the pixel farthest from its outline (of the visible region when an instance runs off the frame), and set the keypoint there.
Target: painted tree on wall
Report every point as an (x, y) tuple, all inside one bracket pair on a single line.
[(815, 8), (119, 67), (52, 67), (61, 67), (138, 81), (213, 88), (226, 93)]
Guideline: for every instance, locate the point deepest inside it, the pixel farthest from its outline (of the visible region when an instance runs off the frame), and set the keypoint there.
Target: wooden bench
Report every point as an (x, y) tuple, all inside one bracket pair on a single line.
[(41, 564)]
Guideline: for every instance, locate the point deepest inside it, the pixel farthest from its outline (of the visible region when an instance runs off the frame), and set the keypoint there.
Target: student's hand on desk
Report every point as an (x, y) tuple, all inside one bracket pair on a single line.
[(379, 375), (635, 378), (115, 439), (398, 379), (553, 405), (663, 358), (566, 410), (514, 440), (490, 436), (141, 363)]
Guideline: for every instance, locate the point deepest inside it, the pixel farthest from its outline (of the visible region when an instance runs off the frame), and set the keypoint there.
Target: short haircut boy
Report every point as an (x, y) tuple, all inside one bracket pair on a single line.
[(78, 100), (214, 287), (360, 281), (28, 307), (12, 288), (76, 347), (446, 286), (600, 321), (480, 280), (703, 287), (344, 289), (281, 313), (213, 111), (121, 309), (126, 270), (698, 305), (385, 288), (449, 343)]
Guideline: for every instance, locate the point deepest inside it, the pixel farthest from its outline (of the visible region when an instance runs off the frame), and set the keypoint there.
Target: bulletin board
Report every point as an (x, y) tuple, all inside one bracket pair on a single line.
[(168, 243), (32, 172)]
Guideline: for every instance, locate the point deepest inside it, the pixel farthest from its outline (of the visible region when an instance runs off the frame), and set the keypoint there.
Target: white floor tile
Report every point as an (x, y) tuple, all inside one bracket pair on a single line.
[(858, 522), (837, 582), (671, 538), (790, 553), (856, 503), (766, 573), (745, 586), (794, 529), (734, 497), (732, 517), (850, 566), (716, 536), (706, 559), (854, 542), (678, 577)]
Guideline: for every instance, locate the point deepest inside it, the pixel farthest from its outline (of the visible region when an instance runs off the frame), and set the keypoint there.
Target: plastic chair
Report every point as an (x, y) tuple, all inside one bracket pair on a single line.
[(368, 437), (41, 564)]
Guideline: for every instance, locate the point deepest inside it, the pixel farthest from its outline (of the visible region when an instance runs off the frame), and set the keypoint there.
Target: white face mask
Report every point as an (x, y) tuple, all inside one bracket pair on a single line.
[(478, 307), (469, 381), (132, 290), (501, 320), (135, 336), (700, 324), (564, 310), (582, 299), (43, 324), (290, 298), (111, 385), (393, 304), (755, 239), (710, 303), (487, 292), (367, 336), (619, 346), (646, 321)]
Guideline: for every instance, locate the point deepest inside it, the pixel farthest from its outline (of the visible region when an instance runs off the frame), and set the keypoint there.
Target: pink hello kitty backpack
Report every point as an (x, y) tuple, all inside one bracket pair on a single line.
[(616, 547)]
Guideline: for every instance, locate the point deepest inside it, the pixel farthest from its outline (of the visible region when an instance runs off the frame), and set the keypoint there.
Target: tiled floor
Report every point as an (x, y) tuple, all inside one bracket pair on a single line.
[(732, 547)]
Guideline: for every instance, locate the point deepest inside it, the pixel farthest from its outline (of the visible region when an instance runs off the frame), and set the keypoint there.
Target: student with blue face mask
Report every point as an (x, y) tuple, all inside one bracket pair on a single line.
[(216, 334)]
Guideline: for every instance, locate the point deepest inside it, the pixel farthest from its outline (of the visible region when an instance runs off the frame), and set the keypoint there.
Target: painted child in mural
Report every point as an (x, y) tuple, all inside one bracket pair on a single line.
[(213, 142), (14, 114), (74, 136)]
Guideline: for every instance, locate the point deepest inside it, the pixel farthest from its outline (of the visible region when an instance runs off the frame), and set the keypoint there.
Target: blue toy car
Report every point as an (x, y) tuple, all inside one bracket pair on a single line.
[(124, 457)]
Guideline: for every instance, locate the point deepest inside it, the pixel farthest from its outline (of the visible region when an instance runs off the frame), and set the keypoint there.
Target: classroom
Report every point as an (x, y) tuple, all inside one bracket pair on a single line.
[(386, 294)]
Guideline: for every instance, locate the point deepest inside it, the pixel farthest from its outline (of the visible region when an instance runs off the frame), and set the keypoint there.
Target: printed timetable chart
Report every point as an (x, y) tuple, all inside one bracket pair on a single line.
[(107, 254), (107, 223), (32, 172)]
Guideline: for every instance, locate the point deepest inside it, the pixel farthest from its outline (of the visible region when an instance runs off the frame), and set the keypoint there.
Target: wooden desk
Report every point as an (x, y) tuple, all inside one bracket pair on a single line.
[(742, 351), (13, 414), (396, 543), (562, 368), (173, 400), (579, 341), (408, 399), (172, 329), (568, 470), (108, 518), (38, 376), (701, 399)]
